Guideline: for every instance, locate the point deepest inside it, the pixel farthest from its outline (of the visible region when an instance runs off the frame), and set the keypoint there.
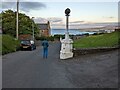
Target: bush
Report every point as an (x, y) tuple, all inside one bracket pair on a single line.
[(95, 34), (51, 38), (9, 44), (57, 36), (40, 38), (87, 34)]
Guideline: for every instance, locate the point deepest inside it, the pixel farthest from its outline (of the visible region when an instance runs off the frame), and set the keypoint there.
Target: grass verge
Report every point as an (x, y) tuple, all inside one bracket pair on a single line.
[(94, 41), (9, 44)]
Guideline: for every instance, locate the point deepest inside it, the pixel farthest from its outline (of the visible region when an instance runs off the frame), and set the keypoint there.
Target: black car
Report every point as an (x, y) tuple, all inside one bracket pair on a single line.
[(27, 44)]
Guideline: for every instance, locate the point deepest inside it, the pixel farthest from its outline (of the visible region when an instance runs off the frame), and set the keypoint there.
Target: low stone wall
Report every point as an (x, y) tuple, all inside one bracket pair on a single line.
[(85, 51)]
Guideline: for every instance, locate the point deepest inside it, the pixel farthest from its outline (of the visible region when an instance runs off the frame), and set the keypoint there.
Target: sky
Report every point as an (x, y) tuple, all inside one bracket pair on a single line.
[(82, 15)]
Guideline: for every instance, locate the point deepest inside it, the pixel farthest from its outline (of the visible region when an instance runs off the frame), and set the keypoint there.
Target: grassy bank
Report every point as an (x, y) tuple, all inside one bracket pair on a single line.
[(9, 44), (104, 40)]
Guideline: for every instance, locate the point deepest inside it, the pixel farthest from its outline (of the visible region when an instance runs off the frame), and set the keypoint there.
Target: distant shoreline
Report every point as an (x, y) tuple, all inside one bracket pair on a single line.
[(90, 29), (71, 31)]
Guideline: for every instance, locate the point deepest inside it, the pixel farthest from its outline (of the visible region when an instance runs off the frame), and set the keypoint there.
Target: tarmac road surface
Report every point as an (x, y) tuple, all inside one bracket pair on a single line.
[(27, 69)]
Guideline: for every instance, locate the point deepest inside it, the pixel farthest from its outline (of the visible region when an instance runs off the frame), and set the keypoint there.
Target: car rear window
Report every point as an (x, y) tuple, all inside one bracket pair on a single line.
[(25, 42)]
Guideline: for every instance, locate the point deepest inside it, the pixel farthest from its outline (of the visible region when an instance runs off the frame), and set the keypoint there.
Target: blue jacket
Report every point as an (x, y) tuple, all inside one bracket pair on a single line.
[(45, 44)]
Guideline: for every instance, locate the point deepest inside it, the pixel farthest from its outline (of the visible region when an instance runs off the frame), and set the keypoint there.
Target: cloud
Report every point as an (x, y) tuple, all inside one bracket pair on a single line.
[(24, 6), (9, 0), (111, 17), (27, 6), (40, 20), (77, 22), (105, 24), (7, 5), (55, 20)]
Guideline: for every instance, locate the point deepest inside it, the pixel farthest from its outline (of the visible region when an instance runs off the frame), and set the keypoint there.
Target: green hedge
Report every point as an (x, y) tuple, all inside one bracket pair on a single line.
[(9, 44)]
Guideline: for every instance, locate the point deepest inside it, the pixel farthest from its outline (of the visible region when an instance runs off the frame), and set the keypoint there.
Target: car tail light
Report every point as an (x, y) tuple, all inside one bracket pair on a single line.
[(29, 44)]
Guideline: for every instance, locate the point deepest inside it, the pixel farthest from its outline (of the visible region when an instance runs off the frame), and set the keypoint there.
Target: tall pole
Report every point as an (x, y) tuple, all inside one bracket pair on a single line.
[(17, 19), (33, 27), (67, 12), (67, 23)]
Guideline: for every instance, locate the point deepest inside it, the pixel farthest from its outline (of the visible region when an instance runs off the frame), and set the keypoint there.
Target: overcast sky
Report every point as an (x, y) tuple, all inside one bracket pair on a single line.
[(83, 14)]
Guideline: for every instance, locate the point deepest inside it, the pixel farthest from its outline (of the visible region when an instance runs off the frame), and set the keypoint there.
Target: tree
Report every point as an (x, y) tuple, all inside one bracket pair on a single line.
[(9, 23)]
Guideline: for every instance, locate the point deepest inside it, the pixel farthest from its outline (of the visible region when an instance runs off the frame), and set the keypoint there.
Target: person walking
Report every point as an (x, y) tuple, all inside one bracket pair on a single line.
[(45, 48)]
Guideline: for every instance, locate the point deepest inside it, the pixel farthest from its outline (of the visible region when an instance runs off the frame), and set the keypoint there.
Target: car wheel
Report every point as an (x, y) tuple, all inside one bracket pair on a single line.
[(31, 48), (35, 47)]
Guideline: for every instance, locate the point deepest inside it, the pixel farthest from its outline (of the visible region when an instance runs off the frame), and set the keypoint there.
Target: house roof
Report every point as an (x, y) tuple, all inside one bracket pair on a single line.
[(43, 26)]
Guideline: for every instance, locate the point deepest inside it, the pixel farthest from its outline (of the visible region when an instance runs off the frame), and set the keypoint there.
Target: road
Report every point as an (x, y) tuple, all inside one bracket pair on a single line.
[(27, 69)]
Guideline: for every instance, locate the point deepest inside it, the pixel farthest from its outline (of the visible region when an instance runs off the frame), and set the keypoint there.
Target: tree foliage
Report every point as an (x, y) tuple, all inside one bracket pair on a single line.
[(9, 23)]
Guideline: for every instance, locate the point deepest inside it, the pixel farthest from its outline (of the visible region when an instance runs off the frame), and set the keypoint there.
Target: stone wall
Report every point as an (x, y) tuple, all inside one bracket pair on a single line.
[(84, 51)]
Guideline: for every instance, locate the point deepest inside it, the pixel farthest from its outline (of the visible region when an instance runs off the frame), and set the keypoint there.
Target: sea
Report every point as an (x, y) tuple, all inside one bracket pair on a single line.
[(71, 32)]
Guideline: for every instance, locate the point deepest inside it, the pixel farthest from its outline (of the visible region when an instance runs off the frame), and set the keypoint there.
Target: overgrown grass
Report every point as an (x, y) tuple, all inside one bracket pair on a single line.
[(104, 40), (9, 44)]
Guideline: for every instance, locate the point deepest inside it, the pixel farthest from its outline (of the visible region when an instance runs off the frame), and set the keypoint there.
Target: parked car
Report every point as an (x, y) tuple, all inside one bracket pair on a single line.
[(27, 44)]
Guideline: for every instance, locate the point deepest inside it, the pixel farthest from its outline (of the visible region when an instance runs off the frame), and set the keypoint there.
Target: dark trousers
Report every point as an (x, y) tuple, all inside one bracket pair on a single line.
[(45, 52)]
